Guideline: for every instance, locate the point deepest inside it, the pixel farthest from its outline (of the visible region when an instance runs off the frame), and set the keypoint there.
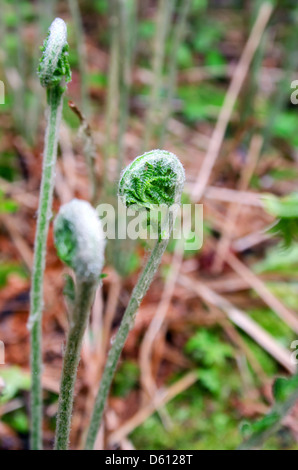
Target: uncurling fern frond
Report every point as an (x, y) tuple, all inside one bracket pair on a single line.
[(154, 179)]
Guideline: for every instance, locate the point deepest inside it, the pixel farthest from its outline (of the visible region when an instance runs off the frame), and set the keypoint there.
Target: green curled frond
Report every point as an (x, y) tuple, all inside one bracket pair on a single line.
[(79, 239), (155, 178), (54, 63)]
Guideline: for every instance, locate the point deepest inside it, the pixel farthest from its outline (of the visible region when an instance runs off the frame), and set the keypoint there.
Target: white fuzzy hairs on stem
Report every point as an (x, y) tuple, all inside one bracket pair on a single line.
[(78, 223)]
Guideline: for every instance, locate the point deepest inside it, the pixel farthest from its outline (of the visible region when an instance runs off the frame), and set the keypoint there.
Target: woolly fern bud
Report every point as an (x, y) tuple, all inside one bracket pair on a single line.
[(155, 178), (54, 64), (80, 244), (79, 239)]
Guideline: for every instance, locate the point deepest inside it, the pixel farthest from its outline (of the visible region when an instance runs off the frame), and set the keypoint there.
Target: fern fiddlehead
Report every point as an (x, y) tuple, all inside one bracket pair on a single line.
[(154, 178), (54, 65), (54, 73), (80, 244)]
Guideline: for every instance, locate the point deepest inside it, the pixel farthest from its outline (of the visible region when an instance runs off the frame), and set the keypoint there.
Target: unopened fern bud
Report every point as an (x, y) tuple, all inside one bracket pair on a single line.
[(155, 178), (54, 66), (79, 239)]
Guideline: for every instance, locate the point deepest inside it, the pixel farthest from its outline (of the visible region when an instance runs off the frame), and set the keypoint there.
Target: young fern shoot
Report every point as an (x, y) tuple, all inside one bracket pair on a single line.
[(80, 244), (154, 179), (54, 73)]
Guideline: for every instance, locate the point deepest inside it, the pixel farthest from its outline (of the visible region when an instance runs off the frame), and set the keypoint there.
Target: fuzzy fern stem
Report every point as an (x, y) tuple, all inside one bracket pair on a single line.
[(44, 215), (84, 299), (53, 70), (121, 337), (156, 177)]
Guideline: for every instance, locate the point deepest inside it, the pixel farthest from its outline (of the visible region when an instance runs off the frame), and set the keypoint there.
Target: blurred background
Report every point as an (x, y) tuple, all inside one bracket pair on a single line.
[(213, 82)]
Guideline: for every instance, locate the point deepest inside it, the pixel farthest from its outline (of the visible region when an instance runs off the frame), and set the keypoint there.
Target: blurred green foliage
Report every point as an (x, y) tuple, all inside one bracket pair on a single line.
[(207, 425), (285, 392), (15, 380), (17, 420), (200, 103), (101, 6), (285, 209), (126, 379), (7, 205), (6, 269), (279, 260)]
